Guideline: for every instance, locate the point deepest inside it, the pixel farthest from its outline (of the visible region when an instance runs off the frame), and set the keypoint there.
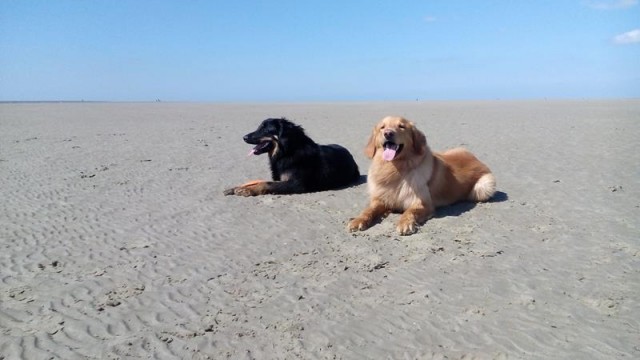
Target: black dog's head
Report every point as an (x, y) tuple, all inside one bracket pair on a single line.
[(274, 135)]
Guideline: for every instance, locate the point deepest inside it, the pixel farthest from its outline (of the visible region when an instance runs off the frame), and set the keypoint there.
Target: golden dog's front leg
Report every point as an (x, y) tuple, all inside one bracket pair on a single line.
[(371, 214), (413, 217)]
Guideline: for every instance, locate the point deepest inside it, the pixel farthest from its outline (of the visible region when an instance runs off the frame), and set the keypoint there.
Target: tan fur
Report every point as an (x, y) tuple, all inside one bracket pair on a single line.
[(417, 181), (276, 146), (250, 188)]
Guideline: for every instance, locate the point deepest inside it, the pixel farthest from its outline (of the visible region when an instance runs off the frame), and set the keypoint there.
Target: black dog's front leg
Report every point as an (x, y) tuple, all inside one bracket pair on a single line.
[(267, 187)]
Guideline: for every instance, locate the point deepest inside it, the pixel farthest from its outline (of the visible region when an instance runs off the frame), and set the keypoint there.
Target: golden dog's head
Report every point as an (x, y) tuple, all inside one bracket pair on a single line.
[(396, 138)]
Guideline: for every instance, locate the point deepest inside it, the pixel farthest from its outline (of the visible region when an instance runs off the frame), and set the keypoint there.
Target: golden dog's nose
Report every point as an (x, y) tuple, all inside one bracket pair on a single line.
[(388, 134)]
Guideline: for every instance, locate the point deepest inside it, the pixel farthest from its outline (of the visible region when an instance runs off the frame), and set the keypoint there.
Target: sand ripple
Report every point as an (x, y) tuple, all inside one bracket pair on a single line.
[(115, 241)]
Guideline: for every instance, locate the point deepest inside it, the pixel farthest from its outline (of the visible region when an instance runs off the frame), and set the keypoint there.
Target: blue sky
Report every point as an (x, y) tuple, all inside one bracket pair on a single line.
[(285, 50)]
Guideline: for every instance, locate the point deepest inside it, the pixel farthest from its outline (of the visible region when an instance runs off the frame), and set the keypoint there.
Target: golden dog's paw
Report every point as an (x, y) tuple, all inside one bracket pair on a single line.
[(230, 191), (407, 227), (357, 224)]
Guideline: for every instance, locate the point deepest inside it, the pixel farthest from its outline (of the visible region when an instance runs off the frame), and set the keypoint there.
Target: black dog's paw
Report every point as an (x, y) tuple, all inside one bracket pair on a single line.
[(244, 191), (240, 191)]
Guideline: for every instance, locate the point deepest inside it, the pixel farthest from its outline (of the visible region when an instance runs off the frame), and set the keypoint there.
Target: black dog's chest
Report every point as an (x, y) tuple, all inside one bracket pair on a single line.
[(280, 169)]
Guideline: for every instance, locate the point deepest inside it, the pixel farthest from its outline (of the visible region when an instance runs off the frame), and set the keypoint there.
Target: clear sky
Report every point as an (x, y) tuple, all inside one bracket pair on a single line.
[(318, 50)]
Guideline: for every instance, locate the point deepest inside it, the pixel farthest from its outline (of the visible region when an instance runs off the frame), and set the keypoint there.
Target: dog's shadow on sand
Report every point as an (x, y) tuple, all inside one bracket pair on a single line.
[(361, 180), (460, 208)]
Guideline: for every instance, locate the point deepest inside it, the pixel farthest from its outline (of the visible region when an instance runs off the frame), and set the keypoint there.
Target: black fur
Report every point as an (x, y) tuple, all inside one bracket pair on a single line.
[(298, 164)]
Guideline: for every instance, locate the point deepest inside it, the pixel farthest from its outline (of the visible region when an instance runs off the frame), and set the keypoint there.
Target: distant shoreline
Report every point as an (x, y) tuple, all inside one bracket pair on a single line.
[(314, 101)]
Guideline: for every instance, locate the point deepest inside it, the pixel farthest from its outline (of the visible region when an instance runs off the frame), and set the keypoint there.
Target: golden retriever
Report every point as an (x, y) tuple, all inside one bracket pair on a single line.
[(405, 176)]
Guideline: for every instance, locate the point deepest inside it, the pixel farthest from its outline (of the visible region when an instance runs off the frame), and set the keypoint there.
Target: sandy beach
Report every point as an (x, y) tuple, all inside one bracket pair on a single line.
[(116, 241)]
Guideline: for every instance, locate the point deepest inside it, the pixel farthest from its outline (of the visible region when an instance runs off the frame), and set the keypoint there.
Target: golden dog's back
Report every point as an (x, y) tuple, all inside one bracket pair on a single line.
[(459, 175)]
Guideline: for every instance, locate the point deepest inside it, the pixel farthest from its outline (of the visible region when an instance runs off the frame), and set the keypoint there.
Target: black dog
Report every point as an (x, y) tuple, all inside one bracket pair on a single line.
[(298, 164)]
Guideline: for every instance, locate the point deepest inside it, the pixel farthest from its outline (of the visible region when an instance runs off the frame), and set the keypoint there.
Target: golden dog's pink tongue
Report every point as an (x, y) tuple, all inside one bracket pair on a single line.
[(388, 154)]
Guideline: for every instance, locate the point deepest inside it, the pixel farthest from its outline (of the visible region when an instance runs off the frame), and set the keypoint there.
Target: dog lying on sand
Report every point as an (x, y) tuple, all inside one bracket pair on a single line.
[(405, 176), (298, 164)]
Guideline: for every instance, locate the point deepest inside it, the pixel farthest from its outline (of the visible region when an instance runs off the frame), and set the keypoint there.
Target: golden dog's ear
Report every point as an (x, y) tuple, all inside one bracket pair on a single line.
[(370, 149), (419, 140)]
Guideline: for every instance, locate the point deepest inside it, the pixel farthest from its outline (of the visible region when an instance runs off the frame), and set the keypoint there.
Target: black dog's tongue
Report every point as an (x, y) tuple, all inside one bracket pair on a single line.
[(258, 147), (389, 152)]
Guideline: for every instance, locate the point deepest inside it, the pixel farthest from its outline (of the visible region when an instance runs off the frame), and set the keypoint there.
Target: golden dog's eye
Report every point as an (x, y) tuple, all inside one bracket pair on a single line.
[(381, 127), (401, 126)]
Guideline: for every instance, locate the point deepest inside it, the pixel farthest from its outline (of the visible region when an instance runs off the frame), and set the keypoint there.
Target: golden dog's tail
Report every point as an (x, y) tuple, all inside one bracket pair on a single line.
[(484, 188)]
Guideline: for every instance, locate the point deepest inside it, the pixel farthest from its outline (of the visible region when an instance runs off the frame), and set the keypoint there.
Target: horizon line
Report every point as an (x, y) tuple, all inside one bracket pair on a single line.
[(280, 101)]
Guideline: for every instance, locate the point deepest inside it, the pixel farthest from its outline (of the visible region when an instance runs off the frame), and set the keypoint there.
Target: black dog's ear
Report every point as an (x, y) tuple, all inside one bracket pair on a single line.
[(290, 134), (282, 124)]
